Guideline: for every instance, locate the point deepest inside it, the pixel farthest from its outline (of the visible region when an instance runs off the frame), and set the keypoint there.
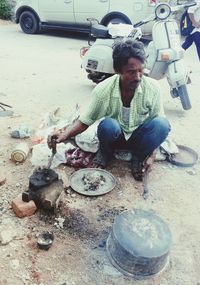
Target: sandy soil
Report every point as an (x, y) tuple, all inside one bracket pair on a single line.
[(38, 74)]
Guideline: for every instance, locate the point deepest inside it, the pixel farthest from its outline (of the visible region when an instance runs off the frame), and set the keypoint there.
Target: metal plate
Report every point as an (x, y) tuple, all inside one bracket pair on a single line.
[(78, 185)]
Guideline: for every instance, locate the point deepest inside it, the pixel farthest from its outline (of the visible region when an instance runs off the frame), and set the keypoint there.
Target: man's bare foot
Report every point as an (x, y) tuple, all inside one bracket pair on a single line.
[(98, 161)]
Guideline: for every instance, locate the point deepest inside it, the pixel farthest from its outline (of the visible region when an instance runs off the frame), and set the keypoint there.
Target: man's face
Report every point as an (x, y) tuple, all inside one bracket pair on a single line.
[(131, 74)]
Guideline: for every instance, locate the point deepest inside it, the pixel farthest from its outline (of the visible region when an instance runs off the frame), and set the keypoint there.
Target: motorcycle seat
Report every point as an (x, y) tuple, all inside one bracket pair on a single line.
[(99, 31)]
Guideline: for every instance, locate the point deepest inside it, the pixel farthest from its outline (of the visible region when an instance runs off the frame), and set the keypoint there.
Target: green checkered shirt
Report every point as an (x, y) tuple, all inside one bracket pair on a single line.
[(106, 102)]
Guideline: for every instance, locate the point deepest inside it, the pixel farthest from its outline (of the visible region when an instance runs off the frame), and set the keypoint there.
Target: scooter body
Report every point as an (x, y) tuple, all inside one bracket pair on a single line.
[(165, 58), (164, 50), (98, 57)]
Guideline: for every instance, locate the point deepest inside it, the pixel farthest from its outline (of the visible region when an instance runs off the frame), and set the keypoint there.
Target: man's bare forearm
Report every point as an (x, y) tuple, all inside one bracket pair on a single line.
[(76, 128)]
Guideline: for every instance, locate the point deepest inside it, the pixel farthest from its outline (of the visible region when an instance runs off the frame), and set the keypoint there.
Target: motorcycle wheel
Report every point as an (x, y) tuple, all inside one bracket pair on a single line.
[(182, 93), (185, 100)]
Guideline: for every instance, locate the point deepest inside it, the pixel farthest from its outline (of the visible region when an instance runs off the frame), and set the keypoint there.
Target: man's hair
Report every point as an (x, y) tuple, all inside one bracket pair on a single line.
[(124, 50)]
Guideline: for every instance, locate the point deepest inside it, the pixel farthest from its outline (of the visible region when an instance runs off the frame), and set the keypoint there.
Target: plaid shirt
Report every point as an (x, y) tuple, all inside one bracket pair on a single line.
[(106, 102)]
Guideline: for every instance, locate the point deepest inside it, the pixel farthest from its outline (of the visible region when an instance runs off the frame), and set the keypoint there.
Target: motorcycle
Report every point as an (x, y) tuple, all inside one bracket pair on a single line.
[(164, 51)]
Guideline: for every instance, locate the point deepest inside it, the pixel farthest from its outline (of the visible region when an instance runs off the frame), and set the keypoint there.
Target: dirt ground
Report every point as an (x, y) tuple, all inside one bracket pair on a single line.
[(37, 74)]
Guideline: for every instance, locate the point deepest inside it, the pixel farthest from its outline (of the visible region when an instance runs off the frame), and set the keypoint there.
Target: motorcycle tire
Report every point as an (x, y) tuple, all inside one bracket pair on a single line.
[(183, 95), (115, 18)]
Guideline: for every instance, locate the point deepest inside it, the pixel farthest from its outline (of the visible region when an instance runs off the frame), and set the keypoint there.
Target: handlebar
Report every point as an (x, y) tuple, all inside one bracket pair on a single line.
[(3, 105), (190, 4), (145, 21), (138, 24), (183, 6)]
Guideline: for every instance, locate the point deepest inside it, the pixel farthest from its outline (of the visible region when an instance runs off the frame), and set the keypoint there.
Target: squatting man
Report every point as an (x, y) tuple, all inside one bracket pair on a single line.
[(131, 110)]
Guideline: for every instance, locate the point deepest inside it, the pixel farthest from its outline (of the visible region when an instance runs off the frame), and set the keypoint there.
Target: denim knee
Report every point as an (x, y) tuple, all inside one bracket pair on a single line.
[(161, 125), (109, 128)]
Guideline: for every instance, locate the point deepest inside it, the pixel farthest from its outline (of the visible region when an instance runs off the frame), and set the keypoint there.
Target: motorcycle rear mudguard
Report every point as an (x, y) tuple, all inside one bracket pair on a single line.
[(177, 74), (99, 57)]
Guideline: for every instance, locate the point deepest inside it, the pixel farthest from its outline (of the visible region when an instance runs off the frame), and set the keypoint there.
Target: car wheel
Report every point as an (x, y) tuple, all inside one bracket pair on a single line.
[(29, 22), (115, 19)]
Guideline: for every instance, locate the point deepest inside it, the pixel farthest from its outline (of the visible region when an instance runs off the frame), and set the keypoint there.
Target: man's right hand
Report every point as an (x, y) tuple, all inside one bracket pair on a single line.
[(63, 135), (59, 136)]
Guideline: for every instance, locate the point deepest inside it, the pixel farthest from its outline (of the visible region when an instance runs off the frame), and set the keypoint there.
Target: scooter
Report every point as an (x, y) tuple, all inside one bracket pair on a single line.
[(165, 54)]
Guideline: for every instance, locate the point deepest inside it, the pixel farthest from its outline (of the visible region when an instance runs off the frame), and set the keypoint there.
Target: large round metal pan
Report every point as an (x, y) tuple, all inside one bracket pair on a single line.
[(186, 157), (77, 183)]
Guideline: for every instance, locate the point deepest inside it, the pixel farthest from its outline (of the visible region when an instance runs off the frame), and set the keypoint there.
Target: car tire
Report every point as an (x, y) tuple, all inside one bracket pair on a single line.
[(115, 19), (29, 22)]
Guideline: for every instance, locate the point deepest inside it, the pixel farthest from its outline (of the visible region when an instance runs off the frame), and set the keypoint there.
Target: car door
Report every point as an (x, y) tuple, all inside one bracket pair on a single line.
[(57, 11), (84, 9)]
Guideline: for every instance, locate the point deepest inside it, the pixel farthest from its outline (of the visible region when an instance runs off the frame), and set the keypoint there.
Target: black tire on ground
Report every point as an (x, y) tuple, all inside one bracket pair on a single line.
[(183, 95), (29, 22)]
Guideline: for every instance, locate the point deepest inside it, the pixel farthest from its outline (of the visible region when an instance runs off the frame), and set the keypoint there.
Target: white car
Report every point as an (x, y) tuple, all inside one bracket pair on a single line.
[(35, 15)]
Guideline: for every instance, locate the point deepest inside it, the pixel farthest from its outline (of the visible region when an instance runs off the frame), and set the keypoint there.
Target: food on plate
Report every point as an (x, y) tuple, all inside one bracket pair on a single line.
[(93, 180)]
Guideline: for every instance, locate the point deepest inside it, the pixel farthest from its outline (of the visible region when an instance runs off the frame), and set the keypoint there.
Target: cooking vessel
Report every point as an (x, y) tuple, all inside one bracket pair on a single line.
[(139, 243)]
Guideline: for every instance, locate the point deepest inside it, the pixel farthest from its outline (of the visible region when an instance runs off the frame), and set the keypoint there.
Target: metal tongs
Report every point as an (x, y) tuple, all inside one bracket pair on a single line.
[(145, 180), (54, 150), (145, 193), (2, 106)]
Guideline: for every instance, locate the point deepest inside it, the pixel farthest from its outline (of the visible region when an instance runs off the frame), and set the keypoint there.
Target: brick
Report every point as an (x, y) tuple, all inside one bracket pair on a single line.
[(23, 209)]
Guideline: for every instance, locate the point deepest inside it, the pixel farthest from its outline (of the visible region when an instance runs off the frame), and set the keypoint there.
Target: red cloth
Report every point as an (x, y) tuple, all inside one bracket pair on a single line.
[(78, 158)]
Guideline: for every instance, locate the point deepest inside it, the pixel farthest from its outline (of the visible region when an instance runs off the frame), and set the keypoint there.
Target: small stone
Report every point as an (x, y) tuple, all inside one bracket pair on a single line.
[(14, 263), (68, 191), (102, 243), (73, 195), (191, 172), (7, 235), (2, 179), (109, 270)]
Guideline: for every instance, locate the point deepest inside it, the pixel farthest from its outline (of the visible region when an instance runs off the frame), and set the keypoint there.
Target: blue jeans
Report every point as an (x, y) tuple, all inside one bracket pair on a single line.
[(193, 38), (143, 141)]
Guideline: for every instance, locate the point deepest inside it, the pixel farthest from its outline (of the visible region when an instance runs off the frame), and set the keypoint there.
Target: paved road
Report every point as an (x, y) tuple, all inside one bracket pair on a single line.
[(41, 71)]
